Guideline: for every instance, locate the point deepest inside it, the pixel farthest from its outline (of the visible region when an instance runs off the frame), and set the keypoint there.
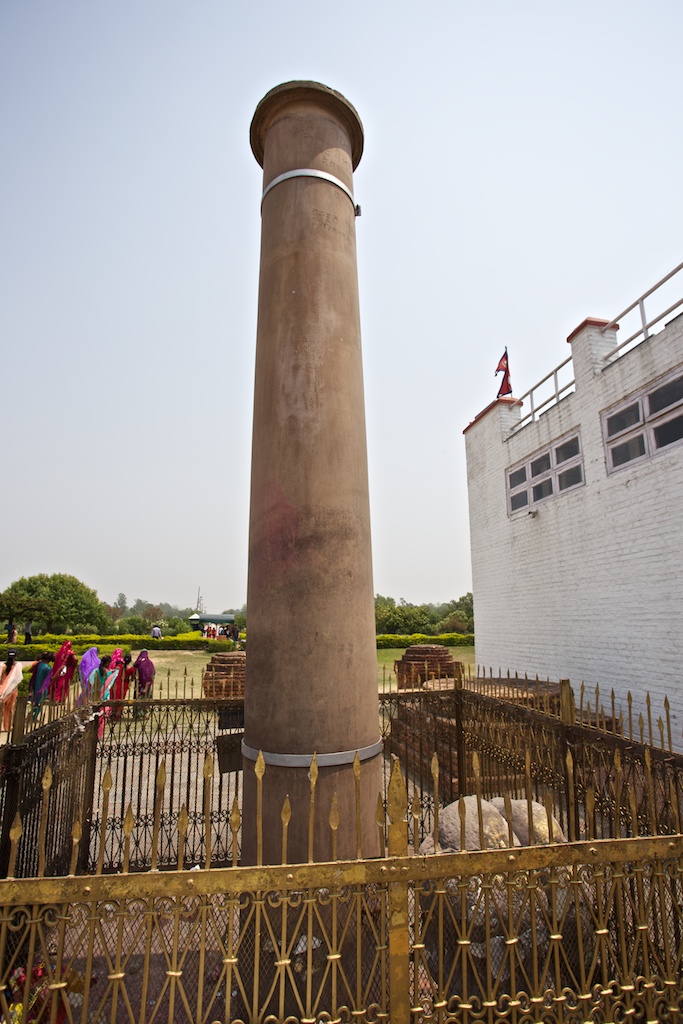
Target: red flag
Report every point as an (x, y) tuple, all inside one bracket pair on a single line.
[(504, 368)]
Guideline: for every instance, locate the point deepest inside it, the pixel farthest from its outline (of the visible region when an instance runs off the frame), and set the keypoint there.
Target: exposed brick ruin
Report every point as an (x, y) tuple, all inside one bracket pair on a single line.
[(224, 675), (423, 663)]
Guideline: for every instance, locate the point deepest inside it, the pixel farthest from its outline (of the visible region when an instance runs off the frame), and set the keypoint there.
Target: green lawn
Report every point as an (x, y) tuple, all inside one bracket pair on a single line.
[(196, 661)]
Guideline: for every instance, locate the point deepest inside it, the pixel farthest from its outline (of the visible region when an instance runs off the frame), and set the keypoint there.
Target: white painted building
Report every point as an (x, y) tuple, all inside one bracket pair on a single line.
[(576, 516)]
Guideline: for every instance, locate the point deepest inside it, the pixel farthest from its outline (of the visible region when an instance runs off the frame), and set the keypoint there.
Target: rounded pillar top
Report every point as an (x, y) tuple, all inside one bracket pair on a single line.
[(329, 99)]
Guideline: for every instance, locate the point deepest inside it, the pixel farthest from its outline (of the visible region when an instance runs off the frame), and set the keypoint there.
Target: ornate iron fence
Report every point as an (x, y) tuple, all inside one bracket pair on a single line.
[(565, 932), (570, 931), (135, 739), (593, 774)]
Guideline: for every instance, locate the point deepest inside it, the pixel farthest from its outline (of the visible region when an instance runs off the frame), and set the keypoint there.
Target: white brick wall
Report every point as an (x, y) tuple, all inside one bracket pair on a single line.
[(591, 587)]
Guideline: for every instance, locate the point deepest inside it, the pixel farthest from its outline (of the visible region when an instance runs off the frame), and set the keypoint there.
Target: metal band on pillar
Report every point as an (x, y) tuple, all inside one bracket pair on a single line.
[(304, 760), (307, 172)]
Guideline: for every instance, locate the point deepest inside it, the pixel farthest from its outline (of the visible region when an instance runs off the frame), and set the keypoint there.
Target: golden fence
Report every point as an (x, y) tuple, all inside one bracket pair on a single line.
[(593, 708), (578, 931), (589, 929)]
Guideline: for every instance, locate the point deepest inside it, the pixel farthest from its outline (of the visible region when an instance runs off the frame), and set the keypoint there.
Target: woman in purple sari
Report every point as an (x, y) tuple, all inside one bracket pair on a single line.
[(145, 671), (89, 662)]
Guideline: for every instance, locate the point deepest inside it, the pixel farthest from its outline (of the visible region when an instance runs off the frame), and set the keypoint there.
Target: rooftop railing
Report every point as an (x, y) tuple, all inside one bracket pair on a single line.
[(547, 392), (560, 382), (644, 330)]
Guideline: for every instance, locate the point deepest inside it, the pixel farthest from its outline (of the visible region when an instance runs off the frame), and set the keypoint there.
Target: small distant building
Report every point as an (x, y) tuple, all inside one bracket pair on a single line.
[(576, 515), (198, 620)]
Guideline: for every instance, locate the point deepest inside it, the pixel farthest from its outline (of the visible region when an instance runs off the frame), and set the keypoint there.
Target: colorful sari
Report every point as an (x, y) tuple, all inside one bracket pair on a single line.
[(117, 668), (100, 683), (38, 685), (89, 662), (63, 672), (9, 683), (146, 671)]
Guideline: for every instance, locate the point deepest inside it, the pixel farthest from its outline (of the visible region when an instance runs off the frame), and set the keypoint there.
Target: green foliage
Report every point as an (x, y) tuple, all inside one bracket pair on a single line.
[(428, 619), (386, 640), (56, 602), (174, 626), (132, 624), (214, 646), (193, 641), (32, 652), (240, 616)]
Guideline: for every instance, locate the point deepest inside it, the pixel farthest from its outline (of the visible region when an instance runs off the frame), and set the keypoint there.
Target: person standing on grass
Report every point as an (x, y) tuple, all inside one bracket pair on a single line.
[(156, 633), (28, 632)]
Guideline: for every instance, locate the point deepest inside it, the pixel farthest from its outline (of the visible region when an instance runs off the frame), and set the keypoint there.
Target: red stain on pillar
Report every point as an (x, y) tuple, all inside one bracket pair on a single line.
[(276, 552)]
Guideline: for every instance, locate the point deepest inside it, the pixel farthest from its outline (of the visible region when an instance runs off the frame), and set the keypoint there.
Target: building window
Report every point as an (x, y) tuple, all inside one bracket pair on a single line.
[(647, 424), (546, 473)]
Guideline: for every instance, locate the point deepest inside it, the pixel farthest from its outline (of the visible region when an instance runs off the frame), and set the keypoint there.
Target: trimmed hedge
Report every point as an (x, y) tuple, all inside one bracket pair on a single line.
[(387, 640), (183, 642), (196, 642), (32, 652)]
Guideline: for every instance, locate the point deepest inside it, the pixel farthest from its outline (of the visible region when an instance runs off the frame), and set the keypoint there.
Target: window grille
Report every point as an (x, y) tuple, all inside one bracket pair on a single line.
[(646, 424), (545, 474)]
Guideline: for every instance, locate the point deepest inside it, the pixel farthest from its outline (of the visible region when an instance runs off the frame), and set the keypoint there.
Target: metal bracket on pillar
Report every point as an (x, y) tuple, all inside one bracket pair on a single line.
[(308, 172), (335, 758)]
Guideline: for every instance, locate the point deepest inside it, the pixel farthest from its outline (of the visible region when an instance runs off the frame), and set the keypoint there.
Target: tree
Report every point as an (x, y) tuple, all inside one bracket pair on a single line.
[(240, 615), (404, 618), (133, 624), (121, 604), (67, 603), (15, 607)]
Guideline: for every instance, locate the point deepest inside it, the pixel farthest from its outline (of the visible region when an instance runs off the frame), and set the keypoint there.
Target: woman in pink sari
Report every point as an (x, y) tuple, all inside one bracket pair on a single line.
[(63, 672), (115, 682)]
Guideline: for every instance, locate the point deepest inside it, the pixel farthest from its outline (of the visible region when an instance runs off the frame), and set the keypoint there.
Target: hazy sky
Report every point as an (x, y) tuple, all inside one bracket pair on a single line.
[(522, 170)]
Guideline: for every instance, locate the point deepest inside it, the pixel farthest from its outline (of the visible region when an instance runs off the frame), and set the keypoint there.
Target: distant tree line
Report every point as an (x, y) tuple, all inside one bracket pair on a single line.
[(404, 618), (60, 603), (456, 616)]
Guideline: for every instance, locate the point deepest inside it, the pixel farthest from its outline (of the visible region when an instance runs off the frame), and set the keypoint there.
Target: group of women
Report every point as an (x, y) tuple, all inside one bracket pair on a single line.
[(103, 679)]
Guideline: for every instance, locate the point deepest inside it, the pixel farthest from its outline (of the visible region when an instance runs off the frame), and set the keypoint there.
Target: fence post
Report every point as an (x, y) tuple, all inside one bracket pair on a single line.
[(568, 720), (567, 705), (460, 736), (19, 723), (399, 924), (86, 809), (15, 752)]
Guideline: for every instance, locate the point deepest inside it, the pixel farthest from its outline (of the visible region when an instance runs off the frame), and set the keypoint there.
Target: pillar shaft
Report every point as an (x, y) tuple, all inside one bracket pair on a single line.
[(311, 664)]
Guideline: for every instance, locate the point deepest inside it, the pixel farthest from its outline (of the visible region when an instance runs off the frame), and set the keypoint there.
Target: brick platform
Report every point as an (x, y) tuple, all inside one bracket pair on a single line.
[(423, 662), (224, 675)]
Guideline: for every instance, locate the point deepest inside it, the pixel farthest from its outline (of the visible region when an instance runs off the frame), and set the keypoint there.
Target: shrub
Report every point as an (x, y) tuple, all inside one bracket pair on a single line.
[(387, 640), (32, 652), (130, 641)]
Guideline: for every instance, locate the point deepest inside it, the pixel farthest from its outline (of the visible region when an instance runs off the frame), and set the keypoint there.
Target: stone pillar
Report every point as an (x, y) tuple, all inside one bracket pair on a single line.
[(312, 666)]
